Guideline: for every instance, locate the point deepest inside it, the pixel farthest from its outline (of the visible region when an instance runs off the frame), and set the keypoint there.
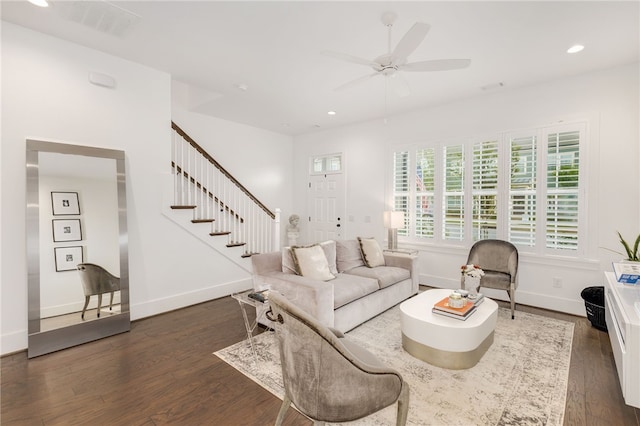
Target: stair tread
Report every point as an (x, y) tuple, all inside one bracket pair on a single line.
[(202, 220), (181, 207), (213, 234), (235, 244), (245, 255)]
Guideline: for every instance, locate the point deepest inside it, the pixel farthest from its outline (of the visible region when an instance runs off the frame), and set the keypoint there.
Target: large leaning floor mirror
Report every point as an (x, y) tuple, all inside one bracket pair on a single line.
[(77, 245)]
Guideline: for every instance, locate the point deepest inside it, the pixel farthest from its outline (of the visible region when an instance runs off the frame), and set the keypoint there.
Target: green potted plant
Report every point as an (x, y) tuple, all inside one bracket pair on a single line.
[(632, 253)]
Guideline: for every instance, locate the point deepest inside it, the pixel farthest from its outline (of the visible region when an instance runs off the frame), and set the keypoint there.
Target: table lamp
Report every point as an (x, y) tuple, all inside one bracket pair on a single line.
[(393, 221)]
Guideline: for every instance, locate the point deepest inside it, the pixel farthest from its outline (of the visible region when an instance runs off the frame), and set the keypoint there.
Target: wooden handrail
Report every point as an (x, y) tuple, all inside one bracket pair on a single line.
[(217, 165)]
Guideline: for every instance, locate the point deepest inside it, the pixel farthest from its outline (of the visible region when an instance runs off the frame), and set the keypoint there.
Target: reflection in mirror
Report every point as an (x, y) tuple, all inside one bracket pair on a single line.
[(76, 215)]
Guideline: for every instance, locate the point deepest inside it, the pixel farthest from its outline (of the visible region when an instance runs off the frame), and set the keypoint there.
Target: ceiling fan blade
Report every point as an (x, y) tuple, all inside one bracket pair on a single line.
[(349, 58), (399, 85), (409, 42), (436, 65), (355, 82)]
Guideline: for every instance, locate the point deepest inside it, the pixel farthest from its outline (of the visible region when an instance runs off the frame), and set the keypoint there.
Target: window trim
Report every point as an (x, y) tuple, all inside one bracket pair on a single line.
[(503, 190)]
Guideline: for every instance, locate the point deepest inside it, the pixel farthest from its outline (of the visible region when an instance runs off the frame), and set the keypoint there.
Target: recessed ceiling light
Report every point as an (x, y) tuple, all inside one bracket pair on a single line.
[(241, 86), (575, 48), (331, 113), (41, 3)]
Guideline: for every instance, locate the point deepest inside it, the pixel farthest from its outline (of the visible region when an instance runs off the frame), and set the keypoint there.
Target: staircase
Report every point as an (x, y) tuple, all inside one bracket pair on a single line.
[(220, 207)]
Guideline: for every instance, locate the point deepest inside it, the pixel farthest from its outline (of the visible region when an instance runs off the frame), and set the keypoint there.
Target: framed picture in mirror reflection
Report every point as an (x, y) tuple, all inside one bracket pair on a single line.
[(66, 230), (67, 258), (65, 203)]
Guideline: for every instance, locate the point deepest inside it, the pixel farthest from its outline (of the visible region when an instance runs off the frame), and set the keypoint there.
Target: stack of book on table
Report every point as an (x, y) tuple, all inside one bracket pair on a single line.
[(260, 296), (443, 308), (476, 299), (627, 272)]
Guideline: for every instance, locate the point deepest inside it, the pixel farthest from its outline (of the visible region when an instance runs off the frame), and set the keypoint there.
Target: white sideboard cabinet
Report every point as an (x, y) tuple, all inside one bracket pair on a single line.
[(622, 313)]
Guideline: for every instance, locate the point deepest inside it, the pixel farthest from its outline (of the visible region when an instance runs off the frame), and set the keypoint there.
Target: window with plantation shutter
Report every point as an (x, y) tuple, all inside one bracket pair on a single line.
[(401, 187), (425, 187), (563, 162), (484, 190), (522, 186), (453, 193), (522, 190)]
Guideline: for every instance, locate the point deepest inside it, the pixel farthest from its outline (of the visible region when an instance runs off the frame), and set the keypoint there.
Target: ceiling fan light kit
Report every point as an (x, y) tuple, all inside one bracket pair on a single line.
[(395, 60)]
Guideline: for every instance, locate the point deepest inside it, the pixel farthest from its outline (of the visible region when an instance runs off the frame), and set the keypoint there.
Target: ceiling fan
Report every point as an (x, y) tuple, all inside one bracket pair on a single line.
[(389, 64)]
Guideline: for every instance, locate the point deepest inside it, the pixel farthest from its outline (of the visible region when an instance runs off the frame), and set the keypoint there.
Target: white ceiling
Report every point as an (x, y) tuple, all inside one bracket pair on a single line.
[(274, 49)]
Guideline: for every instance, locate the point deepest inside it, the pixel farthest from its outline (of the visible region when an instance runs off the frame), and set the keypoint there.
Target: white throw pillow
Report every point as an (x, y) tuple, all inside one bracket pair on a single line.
[(288, 264), (371, 252), (311, 262), (329, 247)]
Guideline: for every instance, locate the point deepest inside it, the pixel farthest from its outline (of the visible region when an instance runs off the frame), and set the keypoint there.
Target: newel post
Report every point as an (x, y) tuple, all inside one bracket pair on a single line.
[(276, 230)]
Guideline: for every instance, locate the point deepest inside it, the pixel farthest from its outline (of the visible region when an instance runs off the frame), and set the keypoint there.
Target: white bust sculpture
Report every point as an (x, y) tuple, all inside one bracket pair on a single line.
[(293, 232)]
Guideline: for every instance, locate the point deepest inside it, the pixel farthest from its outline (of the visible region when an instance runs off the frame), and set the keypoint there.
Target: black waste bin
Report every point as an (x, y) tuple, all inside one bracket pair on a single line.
[(594, 304)]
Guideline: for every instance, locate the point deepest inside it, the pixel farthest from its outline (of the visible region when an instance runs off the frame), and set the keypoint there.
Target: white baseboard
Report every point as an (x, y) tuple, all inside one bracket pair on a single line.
[(13, 342), (17, 340), (569, 306), (177, 301)]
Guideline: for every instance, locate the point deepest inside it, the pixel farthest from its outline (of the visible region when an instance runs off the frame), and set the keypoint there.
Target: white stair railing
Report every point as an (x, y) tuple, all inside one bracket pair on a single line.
[(201, 184)]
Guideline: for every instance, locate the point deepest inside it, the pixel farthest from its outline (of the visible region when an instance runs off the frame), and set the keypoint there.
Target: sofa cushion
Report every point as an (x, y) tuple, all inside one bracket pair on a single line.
[(384, 275), (311, 262), (348, 255), (329, 247), (371, 252), (347, 288)]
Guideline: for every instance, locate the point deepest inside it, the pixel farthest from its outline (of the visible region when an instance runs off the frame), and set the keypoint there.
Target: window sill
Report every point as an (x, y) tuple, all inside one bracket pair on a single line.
[(525, 257)]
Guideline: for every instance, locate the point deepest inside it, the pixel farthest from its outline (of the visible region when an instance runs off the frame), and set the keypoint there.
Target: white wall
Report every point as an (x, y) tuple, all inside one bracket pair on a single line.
[(607, 99), (261, 160), (46, 96)]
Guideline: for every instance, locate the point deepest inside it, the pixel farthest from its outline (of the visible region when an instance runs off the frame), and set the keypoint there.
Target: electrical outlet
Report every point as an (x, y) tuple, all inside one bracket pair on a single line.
[(557, 282)]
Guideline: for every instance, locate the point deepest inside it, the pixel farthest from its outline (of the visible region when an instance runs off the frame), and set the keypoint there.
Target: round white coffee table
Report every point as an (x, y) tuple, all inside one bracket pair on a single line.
[(443, 341)]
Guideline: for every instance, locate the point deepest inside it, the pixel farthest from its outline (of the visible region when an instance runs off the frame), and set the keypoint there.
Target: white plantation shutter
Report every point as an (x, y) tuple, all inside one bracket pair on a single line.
[(522, 191), (453, 193), (563, 164), (524, 187), (425, 187), (401, 186), (484, 190)]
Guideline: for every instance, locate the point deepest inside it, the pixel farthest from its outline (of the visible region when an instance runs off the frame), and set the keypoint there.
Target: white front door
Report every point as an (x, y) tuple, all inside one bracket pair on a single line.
[(326, 207)]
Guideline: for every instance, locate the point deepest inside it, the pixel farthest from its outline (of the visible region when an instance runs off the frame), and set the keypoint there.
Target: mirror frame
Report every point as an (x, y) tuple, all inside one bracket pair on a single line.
[(43, 342)]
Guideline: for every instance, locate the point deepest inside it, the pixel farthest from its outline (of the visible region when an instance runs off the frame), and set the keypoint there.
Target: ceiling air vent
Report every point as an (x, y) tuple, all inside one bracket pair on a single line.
[(98, 15)]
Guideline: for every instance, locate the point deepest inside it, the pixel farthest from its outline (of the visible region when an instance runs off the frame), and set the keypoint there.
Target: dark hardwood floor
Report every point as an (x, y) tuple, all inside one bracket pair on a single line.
[(163, 372)]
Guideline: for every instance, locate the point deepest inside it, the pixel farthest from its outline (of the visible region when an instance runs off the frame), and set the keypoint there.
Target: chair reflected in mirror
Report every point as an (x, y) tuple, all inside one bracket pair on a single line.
[(97, 281)]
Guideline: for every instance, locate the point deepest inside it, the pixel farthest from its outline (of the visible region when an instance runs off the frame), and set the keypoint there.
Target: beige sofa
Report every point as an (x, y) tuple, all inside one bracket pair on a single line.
[(356, 294)]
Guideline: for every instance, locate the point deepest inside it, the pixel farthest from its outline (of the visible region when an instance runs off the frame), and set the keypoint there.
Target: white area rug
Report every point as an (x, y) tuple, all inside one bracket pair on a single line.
[(521, 380)]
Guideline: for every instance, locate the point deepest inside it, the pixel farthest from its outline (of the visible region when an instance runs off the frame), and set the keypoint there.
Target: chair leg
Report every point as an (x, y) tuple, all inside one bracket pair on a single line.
[(84, 308), (512, 294), (111, 302), (99, 303), (286, 402), (403, 405)]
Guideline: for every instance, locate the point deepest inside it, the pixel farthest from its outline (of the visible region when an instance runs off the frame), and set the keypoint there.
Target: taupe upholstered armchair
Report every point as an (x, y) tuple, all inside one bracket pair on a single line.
[(96, 281), (328, 377), (499, 261)]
